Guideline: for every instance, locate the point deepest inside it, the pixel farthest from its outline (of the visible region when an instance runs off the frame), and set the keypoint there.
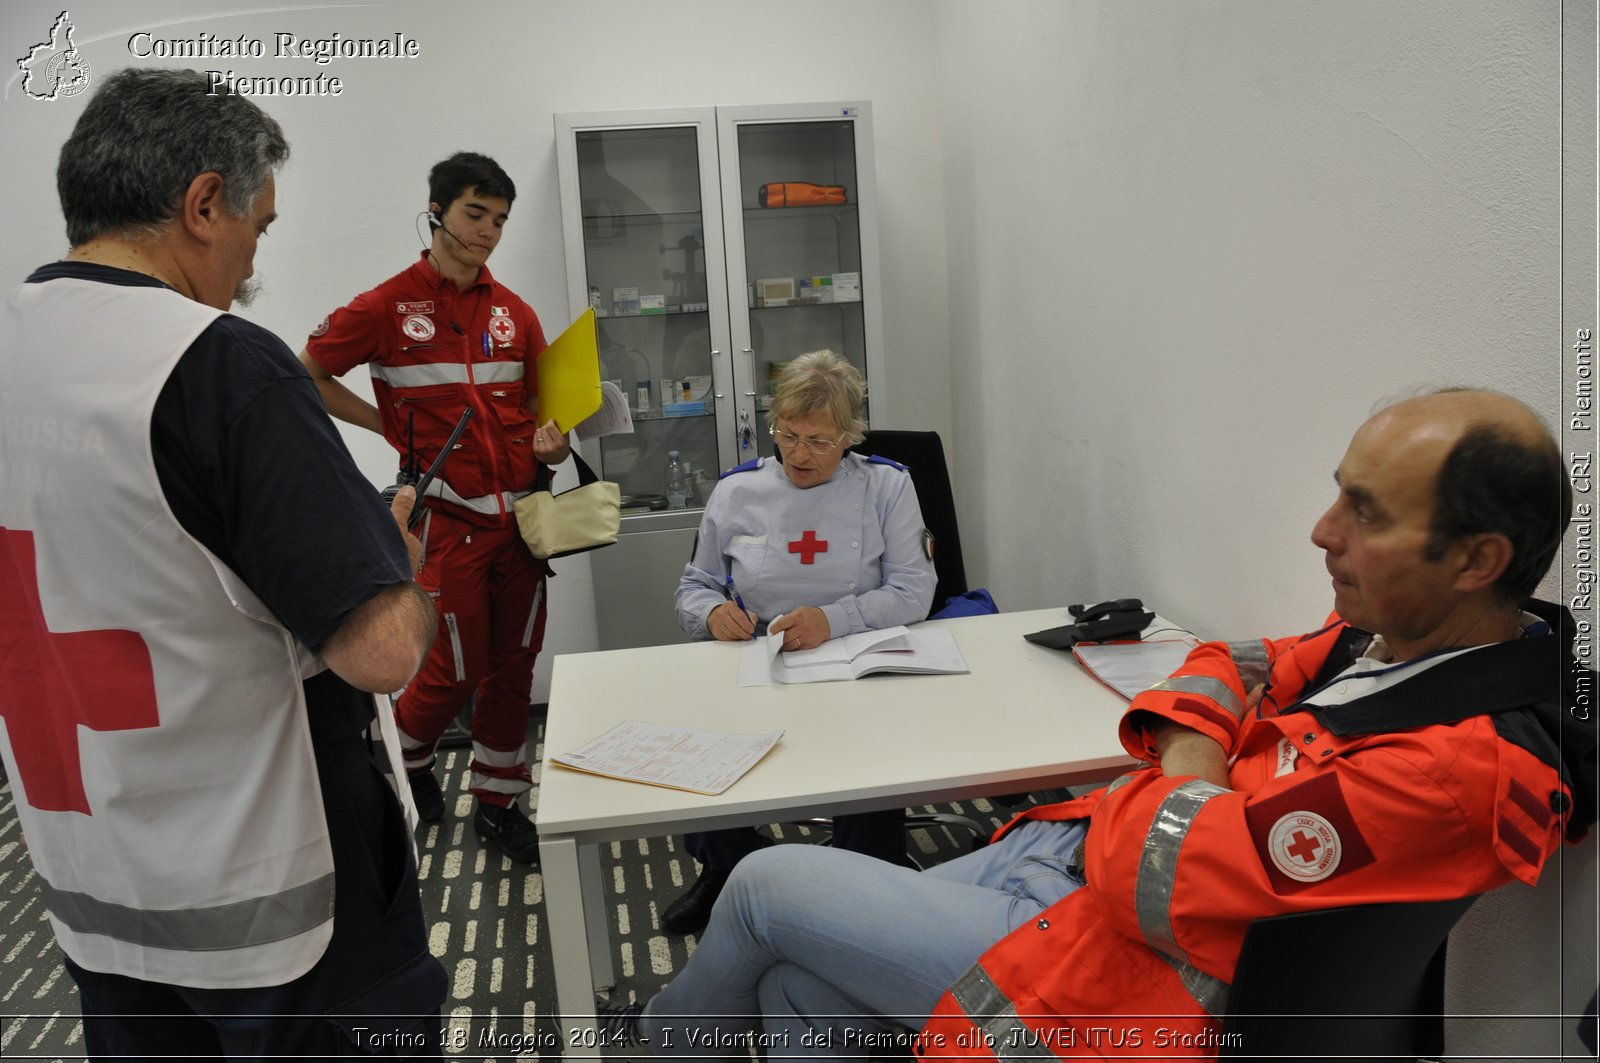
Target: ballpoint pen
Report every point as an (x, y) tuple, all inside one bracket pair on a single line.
[(488, 348), (733, 595)]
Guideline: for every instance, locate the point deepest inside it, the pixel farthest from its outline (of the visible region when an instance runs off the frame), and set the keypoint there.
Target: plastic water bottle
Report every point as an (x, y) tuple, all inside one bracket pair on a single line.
[(677, 486)]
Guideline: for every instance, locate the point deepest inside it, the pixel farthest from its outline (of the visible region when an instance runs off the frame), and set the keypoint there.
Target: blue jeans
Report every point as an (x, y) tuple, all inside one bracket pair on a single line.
[(825, 948)]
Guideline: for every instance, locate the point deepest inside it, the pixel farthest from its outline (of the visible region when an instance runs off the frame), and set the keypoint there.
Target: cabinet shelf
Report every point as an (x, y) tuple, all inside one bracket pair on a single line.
[(670, 311), (676, 216), (799, 305), (652, 416), (834, 209)]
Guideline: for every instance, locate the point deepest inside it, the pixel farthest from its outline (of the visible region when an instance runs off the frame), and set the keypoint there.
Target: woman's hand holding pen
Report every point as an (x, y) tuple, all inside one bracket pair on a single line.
[(730, 623)]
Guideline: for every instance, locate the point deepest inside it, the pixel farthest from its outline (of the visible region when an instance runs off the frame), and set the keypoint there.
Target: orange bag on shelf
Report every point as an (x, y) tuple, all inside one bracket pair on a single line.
[(801, 194)]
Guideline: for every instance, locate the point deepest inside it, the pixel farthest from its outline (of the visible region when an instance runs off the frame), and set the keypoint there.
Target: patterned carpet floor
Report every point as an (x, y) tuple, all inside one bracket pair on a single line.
[(487, 926)]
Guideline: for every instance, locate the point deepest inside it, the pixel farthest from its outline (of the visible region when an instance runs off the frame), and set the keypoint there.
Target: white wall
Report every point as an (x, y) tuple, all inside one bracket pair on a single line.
[(1183, 246), (1193, 243)]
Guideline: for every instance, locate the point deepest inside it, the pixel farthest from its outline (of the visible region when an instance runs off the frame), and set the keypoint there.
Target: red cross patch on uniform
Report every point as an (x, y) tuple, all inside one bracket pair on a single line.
[(808, 546), (501, 327), (418, 327), (1306, 834)]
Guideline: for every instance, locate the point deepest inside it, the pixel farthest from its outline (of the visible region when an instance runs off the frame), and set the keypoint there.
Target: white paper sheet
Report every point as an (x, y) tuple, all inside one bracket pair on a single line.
[(705, 762)]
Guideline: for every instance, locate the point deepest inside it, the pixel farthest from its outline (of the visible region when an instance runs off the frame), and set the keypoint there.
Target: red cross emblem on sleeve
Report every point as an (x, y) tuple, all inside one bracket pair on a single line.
[(52, 683), (1304, 847), (808, 546)]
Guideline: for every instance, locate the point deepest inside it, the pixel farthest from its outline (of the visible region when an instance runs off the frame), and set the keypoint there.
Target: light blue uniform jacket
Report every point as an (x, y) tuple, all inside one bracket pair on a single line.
[(872, 575)]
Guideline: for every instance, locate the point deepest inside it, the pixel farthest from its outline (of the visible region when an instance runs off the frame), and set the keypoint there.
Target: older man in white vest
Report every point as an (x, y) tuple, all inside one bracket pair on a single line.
[(201, 592)]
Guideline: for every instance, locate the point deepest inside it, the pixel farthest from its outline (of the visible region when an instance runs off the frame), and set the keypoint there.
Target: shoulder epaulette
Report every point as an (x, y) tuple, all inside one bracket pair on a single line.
[(878, 459), (753, 463)]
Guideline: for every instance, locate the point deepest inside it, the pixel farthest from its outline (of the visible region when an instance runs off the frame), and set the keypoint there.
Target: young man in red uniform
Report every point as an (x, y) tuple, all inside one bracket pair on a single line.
[(440, 338)]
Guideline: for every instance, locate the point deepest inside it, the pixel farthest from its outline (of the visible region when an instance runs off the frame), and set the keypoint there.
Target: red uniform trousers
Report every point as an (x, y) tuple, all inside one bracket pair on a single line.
[(490, 595)]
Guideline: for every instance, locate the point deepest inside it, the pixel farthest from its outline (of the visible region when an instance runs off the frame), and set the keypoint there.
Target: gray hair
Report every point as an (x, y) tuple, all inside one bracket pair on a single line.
[(820, 382), (145, 136)]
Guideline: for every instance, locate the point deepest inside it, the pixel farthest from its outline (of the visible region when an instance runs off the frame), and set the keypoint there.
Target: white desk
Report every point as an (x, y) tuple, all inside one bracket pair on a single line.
[(1025, 718)]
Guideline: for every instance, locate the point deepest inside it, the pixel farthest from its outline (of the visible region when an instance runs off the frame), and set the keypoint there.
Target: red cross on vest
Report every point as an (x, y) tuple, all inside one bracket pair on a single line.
[(1305, 847), (52, 683), (808, 546)]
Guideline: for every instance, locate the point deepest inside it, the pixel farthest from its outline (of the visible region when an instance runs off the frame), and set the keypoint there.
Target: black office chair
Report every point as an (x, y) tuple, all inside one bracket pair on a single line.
[(922, 454), (1374, 973)]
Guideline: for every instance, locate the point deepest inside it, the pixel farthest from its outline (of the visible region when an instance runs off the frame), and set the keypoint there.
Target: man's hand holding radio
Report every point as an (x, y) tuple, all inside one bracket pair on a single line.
[(405, 500)]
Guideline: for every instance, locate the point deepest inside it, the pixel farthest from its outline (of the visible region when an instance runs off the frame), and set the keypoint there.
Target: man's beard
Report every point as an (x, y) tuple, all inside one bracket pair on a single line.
[(246, 292)]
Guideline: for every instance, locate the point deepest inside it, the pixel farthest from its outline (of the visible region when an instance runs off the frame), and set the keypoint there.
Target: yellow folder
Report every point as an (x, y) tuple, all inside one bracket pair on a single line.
[(569, 375)]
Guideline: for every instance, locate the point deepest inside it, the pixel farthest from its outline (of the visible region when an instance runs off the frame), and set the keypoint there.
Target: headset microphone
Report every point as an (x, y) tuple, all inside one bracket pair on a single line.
[(436, 221), (444, 229)]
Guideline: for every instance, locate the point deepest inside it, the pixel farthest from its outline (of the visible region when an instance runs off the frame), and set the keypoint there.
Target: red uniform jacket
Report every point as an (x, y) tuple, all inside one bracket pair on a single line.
[(434, 350), (1445, 781)]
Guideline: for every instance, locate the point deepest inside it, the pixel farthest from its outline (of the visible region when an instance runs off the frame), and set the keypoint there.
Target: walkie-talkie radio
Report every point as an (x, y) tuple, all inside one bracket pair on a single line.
[(1122, 618), (408, 468)]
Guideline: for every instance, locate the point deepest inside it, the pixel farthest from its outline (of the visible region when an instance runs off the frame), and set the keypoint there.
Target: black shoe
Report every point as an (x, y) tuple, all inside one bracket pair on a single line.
[(690, 913), (619, 1024), (515, 833), (426, 795)]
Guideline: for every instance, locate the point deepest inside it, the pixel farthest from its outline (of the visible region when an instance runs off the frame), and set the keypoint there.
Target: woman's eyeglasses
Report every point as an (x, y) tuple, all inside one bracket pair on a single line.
[(788, 441)]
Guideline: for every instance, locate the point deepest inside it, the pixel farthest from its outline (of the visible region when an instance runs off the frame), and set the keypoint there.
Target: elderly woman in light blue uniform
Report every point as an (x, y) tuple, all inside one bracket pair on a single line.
[(818, 544)]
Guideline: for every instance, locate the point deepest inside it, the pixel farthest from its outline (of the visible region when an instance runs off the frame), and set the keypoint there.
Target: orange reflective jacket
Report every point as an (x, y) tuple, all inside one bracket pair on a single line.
[(1374, 787)]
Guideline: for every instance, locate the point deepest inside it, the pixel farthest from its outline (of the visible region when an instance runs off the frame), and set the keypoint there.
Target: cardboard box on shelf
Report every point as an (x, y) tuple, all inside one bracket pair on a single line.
[(816, 289), (774, 291)]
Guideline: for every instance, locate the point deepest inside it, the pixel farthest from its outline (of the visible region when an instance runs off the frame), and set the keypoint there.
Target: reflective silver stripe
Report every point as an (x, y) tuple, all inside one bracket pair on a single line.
[(497, 372), (1120, 783), (1206, 687), (239, 925), (1252, 661), (478, 504), (432, 373), (977, 994), (992, 1012), (1158, 868), (1209, 991), (455, 647), (533, 614), (493, 785), (420, 376), (497, 758)]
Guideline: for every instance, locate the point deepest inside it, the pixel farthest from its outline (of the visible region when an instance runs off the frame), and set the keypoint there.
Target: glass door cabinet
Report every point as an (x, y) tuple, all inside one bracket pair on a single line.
[(714, 244)]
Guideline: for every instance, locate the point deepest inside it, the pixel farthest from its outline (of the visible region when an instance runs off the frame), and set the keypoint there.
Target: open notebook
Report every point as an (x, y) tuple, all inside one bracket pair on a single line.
[(925, 650)]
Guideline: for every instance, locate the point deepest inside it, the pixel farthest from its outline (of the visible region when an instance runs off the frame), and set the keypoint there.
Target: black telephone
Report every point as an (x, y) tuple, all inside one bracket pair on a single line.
[(1101, 622)]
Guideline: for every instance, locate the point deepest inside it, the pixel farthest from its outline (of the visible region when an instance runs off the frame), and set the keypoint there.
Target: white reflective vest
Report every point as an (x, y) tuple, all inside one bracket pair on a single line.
[(152, 716)]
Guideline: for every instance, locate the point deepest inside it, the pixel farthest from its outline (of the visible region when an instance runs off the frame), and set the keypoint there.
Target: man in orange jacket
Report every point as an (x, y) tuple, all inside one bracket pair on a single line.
[(1411, 749)]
